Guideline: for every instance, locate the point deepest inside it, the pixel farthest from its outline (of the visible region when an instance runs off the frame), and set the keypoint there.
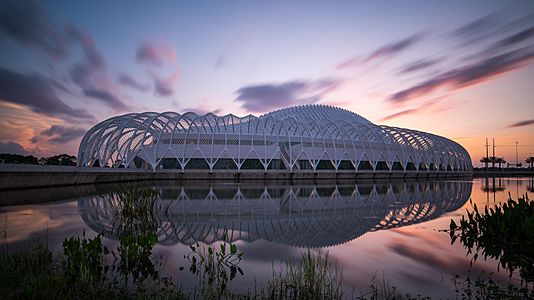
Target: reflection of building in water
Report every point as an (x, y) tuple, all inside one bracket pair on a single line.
[(307, 216), (493, 184), (530, 186)]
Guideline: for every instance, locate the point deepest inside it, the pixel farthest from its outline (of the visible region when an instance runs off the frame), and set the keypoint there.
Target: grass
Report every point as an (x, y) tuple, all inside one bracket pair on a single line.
[(38, 274), (313, 277)]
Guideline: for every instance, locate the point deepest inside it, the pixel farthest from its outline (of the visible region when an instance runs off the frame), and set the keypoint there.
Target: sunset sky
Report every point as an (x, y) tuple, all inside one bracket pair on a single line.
[(460, 69)]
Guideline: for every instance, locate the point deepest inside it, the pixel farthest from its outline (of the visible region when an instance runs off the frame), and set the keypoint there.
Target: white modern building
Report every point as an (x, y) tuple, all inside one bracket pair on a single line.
[(310, 138)]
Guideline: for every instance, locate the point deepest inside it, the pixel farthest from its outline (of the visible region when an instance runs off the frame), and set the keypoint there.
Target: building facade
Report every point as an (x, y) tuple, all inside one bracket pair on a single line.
[(310, 138)]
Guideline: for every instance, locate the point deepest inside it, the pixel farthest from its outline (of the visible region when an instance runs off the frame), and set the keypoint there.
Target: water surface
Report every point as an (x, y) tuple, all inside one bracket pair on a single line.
[(385, 229)]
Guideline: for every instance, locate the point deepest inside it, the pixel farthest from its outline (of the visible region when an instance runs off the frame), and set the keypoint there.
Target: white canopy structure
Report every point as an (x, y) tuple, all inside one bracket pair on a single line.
[(297, 139)]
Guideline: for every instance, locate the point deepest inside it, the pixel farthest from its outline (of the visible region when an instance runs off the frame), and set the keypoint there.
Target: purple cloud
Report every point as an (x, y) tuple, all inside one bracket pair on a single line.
[(58, 134), (106, 97), (475, 29), (95, 83), (522, 123), (418, 65), (420, 108), (488, 29), (92, 55), (384, 51), (265, 97), (91, 74), (162, 88), (516, 38), (165, 86), (474, 73), (219, 63), (129, 81), (38, 94), (27, 23), (200, 110), (12, 148), (155, 53), (400, 114)]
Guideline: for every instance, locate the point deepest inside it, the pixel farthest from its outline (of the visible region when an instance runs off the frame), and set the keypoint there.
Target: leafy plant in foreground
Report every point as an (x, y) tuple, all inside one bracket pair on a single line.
[(505, 233), (136, 227), (215, 267), (85, 259)]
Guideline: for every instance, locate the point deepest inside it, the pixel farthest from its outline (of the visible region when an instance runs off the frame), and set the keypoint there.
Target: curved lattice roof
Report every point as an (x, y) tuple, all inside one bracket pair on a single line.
[(297, 138)]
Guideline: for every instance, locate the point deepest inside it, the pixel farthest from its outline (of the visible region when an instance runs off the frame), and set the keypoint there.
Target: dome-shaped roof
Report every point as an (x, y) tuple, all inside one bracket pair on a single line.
[(317, 112), (304, 138)]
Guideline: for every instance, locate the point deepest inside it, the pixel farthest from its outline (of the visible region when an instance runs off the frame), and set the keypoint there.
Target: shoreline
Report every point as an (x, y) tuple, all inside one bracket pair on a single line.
[(18, 176)]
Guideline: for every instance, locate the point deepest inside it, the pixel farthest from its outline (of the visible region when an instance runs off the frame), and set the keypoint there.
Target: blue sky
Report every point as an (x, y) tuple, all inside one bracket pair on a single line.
[(462, 69)]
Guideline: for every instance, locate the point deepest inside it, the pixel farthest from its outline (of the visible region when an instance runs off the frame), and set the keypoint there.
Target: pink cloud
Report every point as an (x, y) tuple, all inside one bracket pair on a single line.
[(421, 108), (156, 54), (164, 86), (382, 52)]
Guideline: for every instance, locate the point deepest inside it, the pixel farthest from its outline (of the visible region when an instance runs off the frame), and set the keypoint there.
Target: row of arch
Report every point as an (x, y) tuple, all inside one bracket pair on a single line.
[(296, 143)]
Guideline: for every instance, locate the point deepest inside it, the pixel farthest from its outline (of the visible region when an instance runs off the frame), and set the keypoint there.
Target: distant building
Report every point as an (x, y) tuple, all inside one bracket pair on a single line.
[(307, 138)]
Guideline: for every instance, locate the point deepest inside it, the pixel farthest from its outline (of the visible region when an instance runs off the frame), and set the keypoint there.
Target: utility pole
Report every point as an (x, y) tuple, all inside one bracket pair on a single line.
[(493, 156), (486, 160), (516, 160)]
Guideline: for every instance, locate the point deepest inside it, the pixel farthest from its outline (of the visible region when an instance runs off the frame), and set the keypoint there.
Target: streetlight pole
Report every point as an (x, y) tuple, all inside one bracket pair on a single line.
[(516, 160)]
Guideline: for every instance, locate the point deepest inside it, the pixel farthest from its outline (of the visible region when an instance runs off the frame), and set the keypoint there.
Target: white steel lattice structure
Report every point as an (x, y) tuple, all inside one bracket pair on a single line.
[(296, 139)]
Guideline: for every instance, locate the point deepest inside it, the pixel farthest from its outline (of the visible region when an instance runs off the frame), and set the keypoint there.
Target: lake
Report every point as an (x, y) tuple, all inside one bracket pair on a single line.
[(383, 229)]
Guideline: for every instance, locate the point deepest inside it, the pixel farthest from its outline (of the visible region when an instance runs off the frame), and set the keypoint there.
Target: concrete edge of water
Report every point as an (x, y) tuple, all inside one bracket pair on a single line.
[(32, 176)]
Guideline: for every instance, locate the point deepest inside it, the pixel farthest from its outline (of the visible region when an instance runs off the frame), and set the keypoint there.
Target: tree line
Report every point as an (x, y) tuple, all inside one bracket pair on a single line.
[(500, 161), (58, 160)]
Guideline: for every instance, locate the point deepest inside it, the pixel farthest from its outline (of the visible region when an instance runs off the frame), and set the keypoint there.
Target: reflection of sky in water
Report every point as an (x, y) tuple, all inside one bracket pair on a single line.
[(385, 228)]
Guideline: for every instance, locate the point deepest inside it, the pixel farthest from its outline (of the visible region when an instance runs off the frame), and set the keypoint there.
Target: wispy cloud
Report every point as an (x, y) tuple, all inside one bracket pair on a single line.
[(129, 81), (476, 29), (425, 107), (522, 123), (219, 63), (155, 53), (474, 73), (107, 97), (516, 38), (88, 45), (265, 97), (58, 134), (91, 74), (418, 65), (489, 48), (383, 52), (37, 93), (202, 110), (165, 86), (27, 22)]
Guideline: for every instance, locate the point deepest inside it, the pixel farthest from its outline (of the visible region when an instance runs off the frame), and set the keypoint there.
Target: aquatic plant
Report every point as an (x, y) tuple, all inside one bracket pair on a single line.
[(484, 287), (85, 259), (214, 267), (136, 228), (313, 277), (504, 232)]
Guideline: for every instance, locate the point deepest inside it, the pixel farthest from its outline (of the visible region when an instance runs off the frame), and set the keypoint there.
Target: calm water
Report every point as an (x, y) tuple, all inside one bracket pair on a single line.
[(388, 229)]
